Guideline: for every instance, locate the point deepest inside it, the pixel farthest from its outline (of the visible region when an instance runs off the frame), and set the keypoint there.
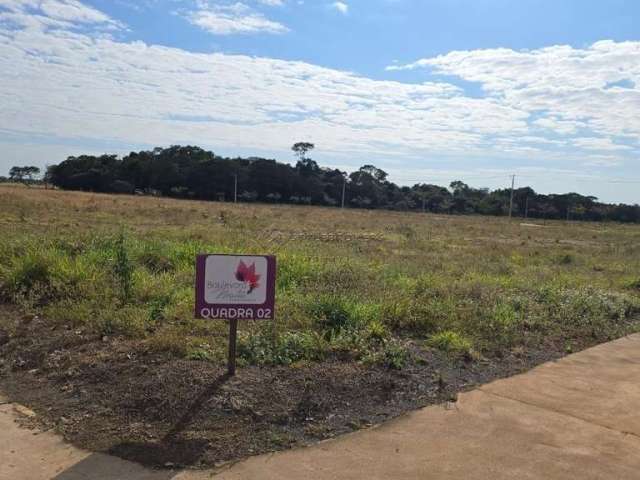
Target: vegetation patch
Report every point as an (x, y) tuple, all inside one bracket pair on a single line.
[(96, 316)]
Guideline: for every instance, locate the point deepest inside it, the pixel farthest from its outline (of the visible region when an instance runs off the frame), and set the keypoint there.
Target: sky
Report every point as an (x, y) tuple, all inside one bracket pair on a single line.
[(429, 90)]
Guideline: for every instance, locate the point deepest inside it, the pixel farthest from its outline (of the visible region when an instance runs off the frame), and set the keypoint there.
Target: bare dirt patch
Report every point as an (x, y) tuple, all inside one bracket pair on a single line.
[(108, 394)]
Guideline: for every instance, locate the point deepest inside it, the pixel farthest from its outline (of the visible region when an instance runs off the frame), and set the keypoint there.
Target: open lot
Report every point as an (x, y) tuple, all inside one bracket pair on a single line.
[(377, 313)]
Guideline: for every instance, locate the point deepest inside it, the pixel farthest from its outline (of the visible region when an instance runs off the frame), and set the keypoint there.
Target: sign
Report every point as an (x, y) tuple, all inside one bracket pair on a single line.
[(235, 287)]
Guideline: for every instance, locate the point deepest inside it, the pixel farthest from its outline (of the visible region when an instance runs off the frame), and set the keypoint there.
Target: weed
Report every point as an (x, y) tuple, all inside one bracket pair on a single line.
[(566, 259), (464, 283), (377, 331), (25, 273), (392, 355), (172, 340), (290, 347), (331, 313), (451, 343), (157, 308), (634, 284), (156, 261), (202, 353), (123, 269)]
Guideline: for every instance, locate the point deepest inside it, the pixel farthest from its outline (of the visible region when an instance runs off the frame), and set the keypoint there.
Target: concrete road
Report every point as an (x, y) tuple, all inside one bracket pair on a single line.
[(578, 418)]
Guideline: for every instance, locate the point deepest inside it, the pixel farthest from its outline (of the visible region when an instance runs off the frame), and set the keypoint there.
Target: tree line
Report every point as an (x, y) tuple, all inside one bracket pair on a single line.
[(193, 173)]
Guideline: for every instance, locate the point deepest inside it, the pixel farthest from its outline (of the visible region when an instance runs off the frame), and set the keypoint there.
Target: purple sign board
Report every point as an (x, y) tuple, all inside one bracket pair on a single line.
[(235, 287)]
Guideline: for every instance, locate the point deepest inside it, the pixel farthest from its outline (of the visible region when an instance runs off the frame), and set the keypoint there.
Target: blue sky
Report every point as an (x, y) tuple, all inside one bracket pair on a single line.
[(430, 90)]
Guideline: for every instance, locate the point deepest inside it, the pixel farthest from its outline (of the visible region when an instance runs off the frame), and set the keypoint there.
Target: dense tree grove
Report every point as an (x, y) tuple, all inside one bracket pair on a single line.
[(191, 172)]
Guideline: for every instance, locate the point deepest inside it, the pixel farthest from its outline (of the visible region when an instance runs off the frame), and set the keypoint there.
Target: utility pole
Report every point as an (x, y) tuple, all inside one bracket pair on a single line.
[(235, 188), (344, 190), (424, 201), (526, 208), (513, 184)]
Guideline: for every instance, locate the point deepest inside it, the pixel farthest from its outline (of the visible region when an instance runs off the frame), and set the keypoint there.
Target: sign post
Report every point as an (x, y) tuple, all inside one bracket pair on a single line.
[(233, 341), (235, 287)]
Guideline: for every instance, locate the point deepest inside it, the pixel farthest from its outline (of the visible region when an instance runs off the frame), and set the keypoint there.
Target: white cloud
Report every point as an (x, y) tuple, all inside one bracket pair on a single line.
[(601, 144), (272, 3), (570, 86), (341, 7), (59, 83), (235, 18), (71, 11)]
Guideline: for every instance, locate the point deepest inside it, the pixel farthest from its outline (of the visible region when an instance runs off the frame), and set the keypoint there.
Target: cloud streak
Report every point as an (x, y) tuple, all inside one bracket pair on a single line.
[(233, 19)]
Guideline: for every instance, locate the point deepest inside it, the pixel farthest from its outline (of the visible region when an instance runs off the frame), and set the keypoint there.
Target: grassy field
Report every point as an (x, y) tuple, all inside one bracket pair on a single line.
[(384, 291)]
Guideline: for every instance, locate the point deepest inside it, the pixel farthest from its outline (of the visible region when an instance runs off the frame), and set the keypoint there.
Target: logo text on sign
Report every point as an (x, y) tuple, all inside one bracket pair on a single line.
[(235, 287)]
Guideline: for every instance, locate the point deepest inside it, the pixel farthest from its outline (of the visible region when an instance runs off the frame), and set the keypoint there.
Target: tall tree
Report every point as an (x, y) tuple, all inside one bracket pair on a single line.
[(301, 149), (23, 174)]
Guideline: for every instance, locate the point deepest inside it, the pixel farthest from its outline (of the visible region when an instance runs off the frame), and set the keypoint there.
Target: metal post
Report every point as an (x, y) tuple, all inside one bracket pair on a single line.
[(344, 191), (513, 183), (233, 335)]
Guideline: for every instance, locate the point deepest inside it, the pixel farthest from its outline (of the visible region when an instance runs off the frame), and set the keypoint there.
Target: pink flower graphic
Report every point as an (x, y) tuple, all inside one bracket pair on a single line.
[(248, 275)]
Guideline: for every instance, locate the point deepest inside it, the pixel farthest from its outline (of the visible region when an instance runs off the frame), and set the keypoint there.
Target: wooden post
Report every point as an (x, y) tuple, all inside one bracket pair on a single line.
[(233, 335)]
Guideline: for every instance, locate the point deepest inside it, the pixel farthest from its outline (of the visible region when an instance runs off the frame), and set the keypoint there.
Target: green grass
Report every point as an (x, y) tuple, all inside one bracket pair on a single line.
[(352, 285)]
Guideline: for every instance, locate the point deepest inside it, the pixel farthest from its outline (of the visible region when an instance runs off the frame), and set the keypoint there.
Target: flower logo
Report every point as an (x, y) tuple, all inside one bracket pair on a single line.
[(248, 275)]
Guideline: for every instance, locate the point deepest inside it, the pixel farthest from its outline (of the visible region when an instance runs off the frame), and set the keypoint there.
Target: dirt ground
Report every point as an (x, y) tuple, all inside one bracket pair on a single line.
[(108, 394)]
